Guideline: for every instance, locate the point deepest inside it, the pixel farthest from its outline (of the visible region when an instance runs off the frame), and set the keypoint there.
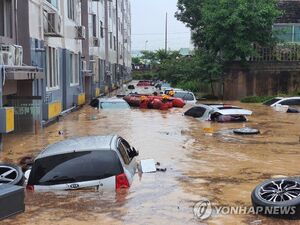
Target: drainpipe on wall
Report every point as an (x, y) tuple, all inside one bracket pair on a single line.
[(107, 71), (117, 31), (106, 30), (1, 100)]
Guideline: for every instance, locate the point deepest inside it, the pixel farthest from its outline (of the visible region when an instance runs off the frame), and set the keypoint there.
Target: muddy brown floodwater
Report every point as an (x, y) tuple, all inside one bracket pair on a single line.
[(221, 166)]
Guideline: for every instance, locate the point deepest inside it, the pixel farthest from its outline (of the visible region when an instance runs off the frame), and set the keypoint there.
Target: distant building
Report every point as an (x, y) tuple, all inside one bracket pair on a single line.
[(56, 55)]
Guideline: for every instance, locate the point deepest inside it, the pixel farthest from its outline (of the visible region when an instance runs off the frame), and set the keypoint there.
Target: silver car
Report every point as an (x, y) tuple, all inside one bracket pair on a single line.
[(218, 113), (104, 162)]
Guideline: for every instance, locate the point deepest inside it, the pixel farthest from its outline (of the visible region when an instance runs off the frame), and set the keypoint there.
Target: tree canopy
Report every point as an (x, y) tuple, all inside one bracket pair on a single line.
[(229, 28)]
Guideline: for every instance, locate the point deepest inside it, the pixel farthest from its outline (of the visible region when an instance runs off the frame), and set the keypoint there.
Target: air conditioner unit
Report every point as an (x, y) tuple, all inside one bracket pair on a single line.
[(7, 53), (80, 32), (53, 25), (18, 55), (96, 42)]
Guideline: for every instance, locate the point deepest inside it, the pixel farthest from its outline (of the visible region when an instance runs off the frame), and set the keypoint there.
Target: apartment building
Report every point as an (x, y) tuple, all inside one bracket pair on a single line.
[(62, 54), (109, 38)]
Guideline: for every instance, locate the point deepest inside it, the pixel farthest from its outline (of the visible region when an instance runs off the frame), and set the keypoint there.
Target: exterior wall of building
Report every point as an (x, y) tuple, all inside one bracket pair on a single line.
[(66, 45), (111, 59), (71, 64)]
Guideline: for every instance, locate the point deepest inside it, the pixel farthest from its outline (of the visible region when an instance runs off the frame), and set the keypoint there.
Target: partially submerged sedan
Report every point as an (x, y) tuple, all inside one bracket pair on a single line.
[(290, 101), (109, 103), (289, 104), (218, 113), (103, 162)]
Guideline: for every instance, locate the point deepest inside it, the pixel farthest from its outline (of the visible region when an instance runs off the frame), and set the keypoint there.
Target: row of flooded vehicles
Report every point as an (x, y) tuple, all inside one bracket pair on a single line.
[(109, 162)]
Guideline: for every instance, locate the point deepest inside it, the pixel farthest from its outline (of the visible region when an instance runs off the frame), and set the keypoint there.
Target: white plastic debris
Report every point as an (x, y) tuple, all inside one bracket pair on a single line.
[(148, 166)]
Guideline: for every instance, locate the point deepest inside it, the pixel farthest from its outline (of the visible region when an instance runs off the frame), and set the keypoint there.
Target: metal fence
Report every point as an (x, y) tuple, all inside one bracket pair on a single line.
[(281, 52)]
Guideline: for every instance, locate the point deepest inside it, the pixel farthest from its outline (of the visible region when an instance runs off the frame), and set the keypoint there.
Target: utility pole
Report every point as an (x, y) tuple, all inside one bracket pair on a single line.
[(166, 34), (146, 42)]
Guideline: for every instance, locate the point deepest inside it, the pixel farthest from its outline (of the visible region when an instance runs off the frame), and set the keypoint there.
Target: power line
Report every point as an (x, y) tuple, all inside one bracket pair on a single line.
[(144, 34)]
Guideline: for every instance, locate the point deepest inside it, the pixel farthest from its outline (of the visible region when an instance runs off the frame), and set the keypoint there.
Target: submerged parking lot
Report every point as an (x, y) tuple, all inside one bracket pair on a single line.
[(201, 163)]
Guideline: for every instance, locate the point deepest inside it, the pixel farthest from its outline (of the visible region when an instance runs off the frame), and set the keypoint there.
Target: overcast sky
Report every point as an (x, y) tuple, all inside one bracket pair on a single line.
[(148, 24)]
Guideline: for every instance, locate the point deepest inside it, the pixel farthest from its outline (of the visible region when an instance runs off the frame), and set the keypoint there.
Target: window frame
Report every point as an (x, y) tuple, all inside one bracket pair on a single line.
[(94, 25), (74, 69), (124, 154), (7, 25), (52, 75), (71, 9)]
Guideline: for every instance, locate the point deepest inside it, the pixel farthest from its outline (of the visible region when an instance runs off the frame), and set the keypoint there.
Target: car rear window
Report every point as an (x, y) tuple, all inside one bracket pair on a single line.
[(184, 96), (75, 167)]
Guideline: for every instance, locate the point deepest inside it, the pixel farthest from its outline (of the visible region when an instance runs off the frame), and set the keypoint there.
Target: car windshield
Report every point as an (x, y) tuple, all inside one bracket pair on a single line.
[(186, 96), (75, 167), (114, 105), (271, 101)]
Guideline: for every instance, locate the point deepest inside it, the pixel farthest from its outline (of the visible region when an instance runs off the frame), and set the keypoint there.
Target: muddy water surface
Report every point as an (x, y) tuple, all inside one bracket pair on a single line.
[(220, 166)]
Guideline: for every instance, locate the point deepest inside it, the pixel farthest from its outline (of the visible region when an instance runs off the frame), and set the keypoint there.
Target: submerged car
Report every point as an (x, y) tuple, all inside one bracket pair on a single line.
[(103, 162), (291, 101), (186, 96), (218, 113), (290, 104), (110, 103)]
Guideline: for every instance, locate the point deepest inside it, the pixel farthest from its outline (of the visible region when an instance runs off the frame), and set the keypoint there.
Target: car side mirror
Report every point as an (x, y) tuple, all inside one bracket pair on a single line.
[(136, 153)]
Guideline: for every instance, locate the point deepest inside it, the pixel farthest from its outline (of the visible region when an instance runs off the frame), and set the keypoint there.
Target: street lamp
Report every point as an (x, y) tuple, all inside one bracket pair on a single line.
[(146, 42)]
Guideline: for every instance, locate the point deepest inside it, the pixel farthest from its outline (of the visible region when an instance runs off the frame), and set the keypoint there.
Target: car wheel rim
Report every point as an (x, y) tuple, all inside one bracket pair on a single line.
[(280, 191), (7, 175)]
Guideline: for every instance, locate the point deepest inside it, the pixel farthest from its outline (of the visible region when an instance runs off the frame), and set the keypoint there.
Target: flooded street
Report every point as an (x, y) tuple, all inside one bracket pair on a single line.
[(220, 166)]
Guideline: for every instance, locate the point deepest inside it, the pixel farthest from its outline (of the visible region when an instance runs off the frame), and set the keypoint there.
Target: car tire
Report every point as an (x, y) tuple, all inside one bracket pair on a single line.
[(274, 196), (246, 131), (11, 174)]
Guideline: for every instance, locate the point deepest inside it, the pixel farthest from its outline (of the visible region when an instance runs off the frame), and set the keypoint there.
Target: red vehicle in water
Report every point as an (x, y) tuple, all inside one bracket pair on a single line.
[(154, 102)]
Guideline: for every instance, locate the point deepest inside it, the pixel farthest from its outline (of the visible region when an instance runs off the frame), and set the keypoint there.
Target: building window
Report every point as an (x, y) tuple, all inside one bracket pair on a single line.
[(115, 43), (94, 19), (101, 29), (6, 18), (110, 40), (287, 32), (71, 9), (74, 69), (52, 68), (109, 9), (53, 2)]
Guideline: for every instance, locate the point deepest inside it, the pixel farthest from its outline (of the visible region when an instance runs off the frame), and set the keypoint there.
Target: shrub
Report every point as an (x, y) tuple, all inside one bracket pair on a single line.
[(256, 99)]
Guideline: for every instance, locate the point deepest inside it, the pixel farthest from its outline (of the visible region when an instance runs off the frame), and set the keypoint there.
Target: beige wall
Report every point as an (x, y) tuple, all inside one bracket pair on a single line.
[(262, 79)]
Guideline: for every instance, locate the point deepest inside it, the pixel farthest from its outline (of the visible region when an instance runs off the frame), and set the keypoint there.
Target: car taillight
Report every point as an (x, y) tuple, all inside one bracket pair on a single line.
[(30, 188), (122, 181)]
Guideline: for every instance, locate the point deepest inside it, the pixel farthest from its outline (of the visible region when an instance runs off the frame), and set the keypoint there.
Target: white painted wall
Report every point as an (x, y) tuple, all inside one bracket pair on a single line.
[(36, 23)]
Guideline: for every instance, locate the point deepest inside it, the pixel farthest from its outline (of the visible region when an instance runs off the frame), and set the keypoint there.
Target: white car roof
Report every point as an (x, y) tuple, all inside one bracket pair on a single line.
[(287, 98), (231, 110), (114, 100), (80, 144)]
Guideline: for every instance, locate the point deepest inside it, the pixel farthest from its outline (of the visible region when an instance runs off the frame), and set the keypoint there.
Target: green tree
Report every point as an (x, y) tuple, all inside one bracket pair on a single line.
[(229, 28), (136, 60)]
